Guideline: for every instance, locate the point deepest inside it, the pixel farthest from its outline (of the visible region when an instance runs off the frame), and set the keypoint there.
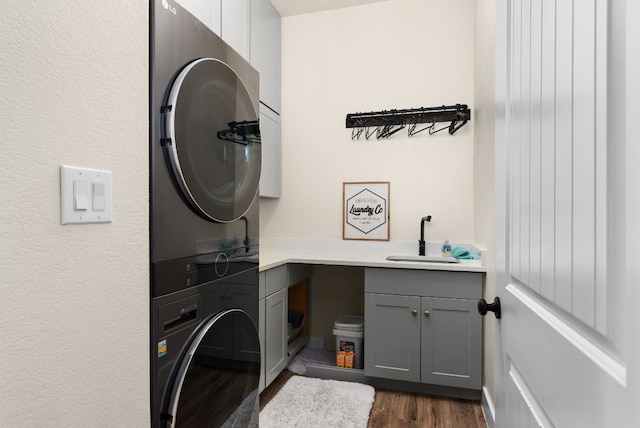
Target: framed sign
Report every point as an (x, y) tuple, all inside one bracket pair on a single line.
[(365, 211)]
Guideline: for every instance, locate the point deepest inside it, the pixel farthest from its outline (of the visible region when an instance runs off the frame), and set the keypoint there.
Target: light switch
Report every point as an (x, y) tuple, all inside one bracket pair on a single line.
[(98, 196), (85, 195), (80, 198)]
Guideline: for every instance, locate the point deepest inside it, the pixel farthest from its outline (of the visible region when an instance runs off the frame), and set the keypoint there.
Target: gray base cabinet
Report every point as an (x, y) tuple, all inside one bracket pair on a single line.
[(274, 320), (451, 343), (392, 336), (261, 330), (276, 358), (423, 326)]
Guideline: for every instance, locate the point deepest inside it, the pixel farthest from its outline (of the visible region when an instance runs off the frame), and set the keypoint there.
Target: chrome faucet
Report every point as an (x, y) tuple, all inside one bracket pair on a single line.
[(421, 244)]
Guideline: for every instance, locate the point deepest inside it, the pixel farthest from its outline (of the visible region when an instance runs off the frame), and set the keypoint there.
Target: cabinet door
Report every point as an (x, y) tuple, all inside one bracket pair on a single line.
[(265, 50), (263, 347), (207, 12), (270, 136), (276, 334), (263, 378), (261, 296), (236, 25), (392, 337), (451, 343)]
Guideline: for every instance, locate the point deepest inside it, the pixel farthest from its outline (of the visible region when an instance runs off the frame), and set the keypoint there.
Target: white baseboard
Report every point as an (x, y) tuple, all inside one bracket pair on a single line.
[(488, 409)]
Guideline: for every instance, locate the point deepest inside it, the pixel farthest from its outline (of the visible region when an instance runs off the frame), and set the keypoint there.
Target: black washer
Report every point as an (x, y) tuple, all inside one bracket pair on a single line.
[(212, 141), (205, 157)]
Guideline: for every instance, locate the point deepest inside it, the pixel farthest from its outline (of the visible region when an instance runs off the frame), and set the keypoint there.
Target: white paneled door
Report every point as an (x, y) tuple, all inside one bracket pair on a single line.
[(567, 213)]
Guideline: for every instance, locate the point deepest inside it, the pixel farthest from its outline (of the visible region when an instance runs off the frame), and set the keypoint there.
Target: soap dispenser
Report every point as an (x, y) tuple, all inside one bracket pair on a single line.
[(446, 248)]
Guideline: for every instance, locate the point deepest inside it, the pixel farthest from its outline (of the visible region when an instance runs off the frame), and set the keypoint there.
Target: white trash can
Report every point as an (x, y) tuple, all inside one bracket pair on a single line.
[(349, 333)]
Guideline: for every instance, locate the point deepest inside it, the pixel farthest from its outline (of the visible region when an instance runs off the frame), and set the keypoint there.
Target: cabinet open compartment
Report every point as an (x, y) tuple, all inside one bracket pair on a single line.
[(298, 307)]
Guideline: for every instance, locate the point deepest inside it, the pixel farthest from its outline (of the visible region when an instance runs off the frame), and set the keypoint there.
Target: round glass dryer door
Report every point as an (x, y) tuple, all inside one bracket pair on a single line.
[(212, 140), (216, 380)]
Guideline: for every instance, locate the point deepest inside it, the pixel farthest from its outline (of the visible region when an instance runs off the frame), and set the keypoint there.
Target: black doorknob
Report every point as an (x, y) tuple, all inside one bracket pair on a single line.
[(484, 307)]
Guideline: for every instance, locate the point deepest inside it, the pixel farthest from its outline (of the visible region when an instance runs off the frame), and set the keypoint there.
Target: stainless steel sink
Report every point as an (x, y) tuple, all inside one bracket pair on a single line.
[(425, 259)]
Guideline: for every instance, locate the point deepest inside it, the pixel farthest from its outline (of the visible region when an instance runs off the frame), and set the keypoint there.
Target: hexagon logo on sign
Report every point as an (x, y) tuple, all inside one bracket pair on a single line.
[(366, 211)]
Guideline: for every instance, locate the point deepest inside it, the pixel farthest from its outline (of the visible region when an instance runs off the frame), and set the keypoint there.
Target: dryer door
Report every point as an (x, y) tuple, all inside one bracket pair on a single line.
[(213, 391), (211, 139)]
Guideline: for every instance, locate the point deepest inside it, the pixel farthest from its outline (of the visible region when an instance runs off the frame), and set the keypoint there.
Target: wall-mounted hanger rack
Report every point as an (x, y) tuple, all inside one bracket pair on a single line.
[(384, 124), (245, 132)]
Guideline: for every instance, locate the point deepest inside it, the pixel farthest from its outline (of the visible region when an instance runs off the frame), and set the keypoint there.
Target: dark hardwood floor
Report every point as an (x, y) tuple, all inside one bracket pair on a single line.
[(405, 409)]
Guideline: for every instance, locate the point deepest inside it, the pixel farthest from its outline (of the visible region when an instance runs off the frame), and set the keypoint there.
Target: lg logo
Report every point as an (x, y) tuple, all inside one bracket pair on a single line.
[(167, 6)]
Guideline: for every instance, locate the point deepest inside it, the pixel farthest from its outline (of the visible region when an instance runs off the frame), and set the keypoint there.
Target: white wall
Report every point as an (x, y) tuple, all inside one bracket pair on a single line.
[(75, 299), (388, 55)]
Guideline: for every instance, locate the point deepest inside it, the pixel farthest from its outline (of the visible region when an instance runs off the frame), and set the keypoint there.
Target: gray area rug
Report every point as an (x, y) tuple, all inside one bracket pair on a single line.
[(298, 363), (311, 402)]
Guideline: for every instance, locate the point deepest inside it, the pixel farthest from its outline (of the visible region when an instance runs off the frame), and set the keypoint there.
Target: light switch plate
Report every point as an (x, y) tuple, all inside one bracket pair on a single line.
[(85, 195)]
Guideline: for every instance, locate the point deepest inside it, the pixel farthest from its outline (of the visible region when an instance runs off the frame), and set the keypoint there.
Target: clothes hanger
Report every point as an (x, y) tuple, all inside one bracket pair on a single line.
[(453, 127), (411, 131), (389, 131), (368, 134), (435, 131), (382, 132)]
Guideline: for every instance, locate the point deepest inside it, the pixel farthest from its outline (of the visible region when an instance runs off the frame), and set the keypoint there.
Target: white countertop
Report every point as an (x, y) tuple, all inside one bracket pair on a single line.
[(276, 252)]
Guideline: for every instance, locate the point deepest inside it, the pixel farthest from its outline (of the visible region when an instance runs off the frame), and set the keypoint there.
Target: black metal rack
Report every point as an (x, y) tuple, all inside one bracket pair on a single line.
[(387, 122), (245, 132)]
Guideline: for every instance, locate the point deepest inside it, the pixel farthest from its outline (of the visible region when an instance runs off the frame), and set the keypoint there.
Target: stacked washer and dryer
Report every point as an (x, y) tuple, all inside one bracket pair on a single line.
[(205, 158)]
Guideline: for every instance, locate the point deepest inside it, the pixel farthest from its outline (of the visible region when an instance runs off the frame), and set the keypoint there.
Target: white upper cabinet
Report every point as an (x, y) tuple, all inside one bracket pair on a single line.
[(207, 11), (229, 19), (252, 28), (270, 181), (236, 25), (265, 57), (265, 51)]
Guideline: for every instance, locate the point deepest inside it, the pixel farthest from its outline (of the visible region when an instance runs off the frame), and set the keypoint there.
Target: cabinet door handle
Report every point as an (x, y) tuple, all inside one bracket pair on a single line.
[(426, 313), (414, 311)]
